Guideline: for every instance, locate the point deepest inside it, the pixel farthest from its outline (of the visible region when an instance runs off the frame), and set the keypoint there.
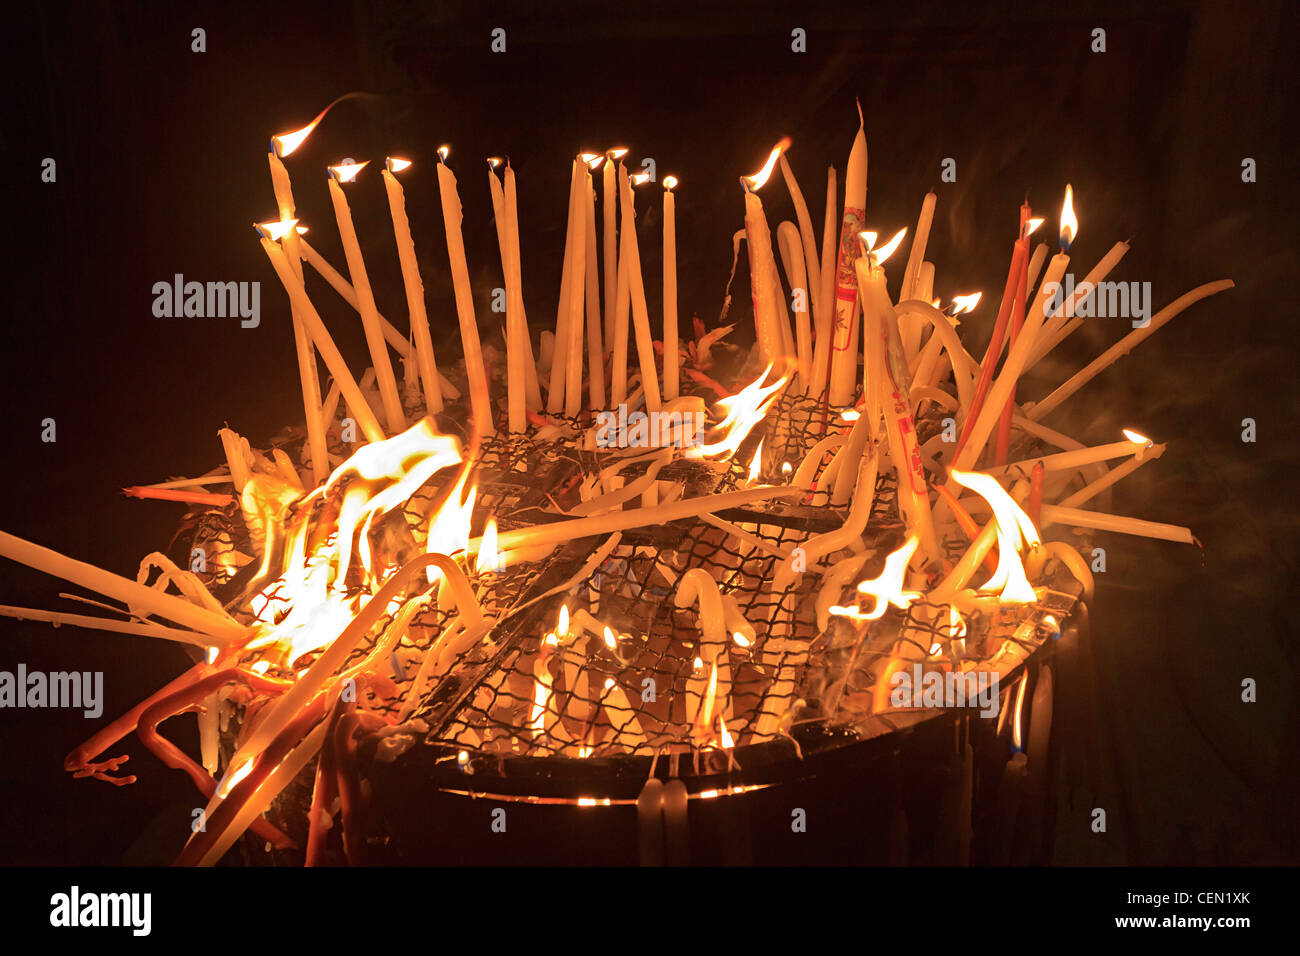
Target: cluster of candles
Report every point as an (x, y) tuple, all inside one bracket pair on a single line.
[(288, 646)]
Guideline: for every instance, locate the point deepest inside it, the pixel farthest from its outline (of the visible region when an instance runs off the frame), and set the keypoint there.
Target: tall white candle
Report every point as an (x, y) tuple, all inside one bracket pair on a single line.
[(844, 358), (533, 395), (555, 396), (577, 295), (671, 384), (762, 264), (387, 382), (609, 199), (480, 401), (414, 286), (516, 404), (307, 373), (595, 345), (640, 314)]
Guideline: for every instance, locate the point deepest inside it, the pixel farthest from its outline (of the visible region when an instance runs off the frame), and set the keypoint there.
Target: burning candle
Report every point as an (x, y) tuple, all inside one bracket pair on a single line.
[(388, 394), (480, 401), (1019, 353), (762, 266), (844, 355), (595, 345), (610, 237), (516, 404), (1134, 444), (413, 284), (670, 290), (880, 324), (324, 343), (307, 373), (532, 394), (636, 288), (555, 397)]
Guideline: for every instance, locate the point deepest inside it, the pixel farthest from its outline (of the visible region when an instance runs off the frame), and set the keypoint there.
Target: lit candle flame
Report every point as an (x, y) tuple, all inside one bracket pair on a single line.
[(592, 160), (1069, 224), (275, 231), (1137, 438), (878, 256), (639, 178), (756, 466), (1030, 226), (489, 558), (562, 628), (670, 183), (740, 639), (756, 181), (961, 304), (396, 165), (300, 230), (616, 152), (494, 161), (285, 143), (611, 642), (347, 172), (444, 151), (1013, 525)]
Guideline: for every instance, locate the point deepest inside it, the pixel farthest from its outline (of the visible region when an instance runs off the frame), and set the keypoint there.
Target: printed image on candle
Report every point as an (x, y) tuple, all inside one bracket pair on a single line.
[(408, 519)]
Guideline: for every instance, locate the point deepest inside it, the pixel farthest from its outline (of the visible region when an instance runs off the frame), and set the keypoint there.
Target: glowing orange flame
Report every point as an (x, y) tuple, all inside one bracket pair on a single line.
[(756, 181), (1031, 225), (961, 304), (888, 588), (724, 736), (444, 151), (286, 143), (396, 165), (638, 178), (878, 256), (611, 642), (756, 466), (744, 410), (494, 161), (562, 628), (347, 172), (275, 231), (1069, 224), (488, 558), (1013, 528), (591, 160), (1137, 438), (670, 183), (616, 152)]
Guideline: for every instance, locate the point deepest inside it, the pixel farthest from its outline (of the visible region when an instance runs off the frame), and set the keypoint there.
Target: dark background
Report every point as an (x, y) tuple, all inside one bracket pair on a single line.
[(162, 169)]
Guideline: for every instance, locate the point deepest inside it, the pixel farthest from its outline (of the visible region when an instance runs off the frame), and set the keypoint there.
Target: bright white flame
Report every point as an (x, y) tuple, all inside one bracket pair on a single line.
[(347, 172), (616, 152), (670, 183), (744, 411), (444, 151), (397, 165), (1031, 225), (638, 178), (488, 559), (756, 466), (275, 231), (1137, 438), (611, 642), (878, 256), (591, 160), (888, 588), (961, 304), (1069, 223), (1013, 527), (757, 180)]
